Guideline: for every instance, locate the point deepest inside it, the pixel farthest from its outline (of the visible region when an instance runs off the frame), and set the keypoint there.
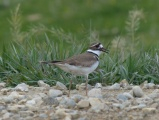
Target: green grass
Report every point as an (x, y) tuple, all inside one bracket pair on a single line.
[(130, 58)]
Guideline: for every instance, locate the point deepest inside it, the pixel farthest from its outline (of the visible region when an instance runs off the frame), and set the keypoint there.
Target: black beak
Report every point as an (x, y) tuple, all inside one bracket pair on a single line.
[(104, 50)]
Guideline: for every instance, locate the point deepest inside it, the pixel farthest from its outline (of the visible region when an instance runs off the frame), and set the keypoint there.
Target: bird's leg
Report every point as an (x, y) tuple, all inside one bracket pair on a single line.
[(70, 88), (86, 84)]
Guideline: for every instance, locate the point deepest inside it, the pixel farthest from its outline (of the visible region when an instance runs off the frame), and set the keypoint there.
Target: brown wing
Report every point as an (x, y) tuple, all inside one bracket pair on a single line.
[(85, 59)]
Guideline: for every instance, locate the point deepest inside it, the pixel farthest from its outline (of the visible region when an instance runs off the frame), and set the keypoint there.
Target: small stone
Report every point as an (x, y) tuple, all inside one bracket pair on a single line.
[(6, 116), (137, 91), (77, 97), (13, 109), (50, 101), (43, 116), (115, 86), (83, 104), (4, 91), (153, 95), (2, 85), (149, 110), (22, 87), (149, 86), (26, 113), (55, 93), (74, 114), (70, 103), (96, 104), (60, 113), (31, 102), (128, 95), (7, 99), (42, 84), (154, 105), (118, 105), (82, 86), (98, 85), (15, 95), (122, 97), (95, 93), (60, 86), (124, 83)]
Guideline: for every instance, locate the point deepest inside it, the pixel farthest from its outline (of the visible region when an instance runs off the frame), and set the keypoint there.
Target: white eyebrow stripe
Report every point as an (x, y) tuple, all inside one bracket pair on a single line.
[(101, 46)]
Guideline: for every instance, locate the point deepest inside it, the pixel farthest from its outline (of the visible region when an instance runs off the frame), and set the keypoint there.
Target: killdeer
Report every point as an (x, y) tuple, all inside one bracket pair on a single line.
[(82, 64)]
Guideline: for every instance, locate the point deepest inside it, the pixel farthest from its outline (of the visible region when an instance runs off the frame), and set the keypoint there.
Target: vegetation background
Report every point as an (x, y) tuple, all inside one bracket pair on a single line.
[(42, 30)]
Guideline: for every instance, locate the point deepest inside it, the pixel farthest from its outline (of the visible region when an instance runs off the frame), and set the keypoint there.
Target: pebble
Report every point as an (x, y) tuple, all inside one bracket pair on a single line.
[(122, 97), (149, 85), (50, 101), (22, 87), (60, 113), (98, 85), (43, 116), (137, 91), (15, 95), (77, 97), (128, 95), (96, 105), (31, 102), (42, 84), (55, 93), (95, 92), (2, 85), (115, 86), (60, 86), (6, 116), (26, 113), (82, 86), (83, 104), (149, 110)]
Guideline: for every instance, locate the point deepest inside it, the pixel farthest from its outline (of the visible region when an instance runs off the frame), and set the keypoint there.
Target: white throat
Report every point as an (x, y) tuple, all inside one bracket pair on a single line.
[(97, 52)]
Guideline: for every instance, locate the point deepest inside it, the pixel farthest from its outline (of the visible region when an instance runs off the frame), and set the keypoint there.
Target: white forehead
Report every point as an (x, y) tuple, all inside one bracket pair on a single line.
[(101, 46)]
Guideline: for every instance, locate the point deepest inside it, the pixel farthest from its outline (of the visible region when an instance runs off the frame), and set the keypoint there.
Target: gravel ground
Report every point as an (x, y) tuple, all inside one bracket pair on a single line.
[(120, 101)]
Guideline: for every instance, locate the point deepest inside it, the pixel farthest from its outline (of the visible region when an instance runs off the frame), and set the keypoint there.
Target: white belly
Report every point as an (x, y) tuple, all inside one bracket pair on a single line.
[(78, 70)]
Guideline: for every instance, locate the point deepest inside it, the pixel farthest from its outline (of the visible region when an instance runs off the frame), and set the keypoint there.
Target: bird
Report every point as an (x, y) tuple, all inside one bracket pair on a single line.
[(82, 64)]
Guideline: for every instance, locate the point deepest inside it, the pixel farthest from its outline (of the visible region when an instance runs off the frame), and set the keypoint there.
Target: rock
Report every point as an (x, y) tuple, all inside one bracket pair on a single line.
[(98, 85), (25, 114), (55, 93), (60, 86), (70, 103), (149, 110), (83, 104), (4, 91), (137, 91), (67, 102), (118, 105), (60, 113), (96, 104), (95, 93), (74, 114), (128, 95), (153, 95), (6, 116), (115, 86), (2, 85), (22, 87), (42, 84), (149, 85), (43, 116), (50, 101), (122, 97), (124, 83), (154, 105), (2, 107), (15, 95), (7, 99), (77, 97), (30, 102), (82, 86), (13, 109)]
